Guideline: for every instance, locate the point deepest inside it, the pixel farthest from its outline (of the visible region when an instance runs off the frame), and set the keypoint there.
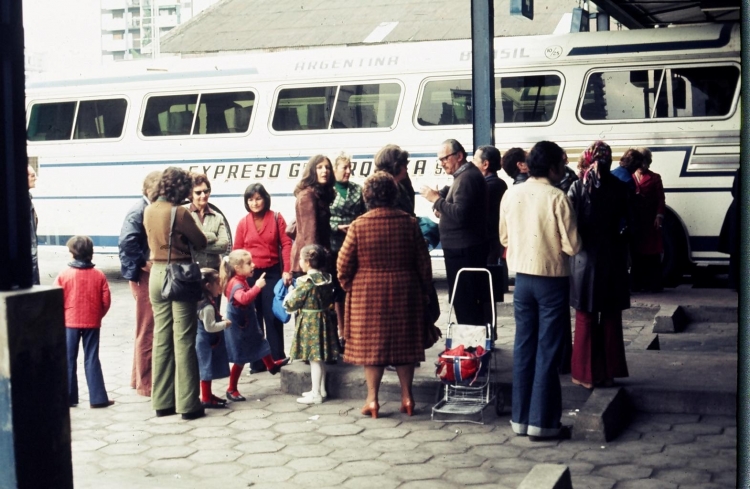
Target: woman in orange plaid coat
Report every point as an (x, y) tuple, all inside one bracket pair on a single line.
[(385, 269)]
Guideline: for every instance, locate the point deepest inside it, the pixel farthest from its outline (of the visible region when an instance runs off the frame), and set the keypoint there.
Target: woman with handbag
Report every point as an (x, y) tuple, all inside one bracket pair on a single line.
[(172, 235), (262, 233), (384, 267)]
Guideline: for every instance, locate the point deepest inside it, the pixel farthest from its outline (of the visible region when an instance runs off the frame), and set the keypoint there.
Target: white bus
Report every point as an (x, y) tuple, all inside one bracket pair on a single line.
[(259, 117)]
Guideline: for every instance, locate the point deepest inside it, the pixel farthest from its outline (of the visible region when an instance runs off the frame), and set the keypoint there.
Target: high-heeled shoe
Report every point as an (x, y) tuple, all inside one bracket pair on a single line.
[(407, 407), (371, 409)]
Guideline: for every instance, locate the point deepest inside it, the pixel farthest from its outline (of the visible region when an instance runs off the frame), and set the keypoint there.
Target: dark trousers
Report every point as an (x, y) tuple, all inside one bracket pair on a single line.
[(645, 272), (274, 329), (472, 292), (542, 314), (91, 365)]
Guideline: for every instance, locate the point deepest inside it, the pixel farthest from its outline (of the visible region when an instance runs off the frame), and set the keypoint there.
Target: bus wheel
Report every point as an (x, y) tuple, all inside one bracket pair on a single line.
[(675, 259)]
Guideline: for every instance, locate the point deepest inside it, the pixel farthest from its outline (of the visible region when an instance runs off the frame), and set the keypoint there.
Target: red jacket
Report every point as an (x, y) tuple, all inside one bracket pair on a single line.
[(264, 245), (87, 297)]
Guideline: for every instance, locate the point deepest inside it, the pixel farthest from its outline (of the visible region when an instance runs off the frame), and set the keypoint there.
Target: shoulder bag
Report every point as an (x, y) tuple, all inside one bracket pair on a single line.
[(182, 282)]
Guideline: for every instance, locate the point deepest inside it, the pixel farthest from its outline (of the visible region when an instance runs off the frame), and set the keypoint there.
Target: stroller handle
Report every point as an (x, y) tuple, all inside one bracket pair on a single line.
[(455, 286)]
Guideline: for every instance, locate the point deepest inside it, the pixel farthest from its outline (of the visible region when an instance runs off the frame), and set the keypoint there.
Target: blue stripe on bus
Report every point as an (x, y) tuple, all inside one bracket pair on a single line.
[(648, 47), (210, 160), (152, 76)]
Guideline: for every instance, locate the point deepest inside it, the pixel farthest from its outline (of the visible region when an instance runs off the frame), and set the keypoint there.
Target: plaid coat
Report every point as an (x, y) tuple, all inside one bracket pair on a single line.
[(385, 269)]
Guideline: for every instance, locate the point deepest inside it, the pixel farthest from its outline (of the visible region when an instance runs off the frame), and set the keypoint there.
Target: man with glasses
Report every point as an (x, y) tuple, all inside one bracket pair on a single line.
[(462, 209)]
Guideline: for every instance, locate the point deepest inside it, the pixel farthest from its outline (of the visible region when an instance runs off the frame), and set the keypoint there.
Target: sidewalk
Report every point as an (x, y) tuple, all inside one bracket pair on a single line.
[(271, 441)]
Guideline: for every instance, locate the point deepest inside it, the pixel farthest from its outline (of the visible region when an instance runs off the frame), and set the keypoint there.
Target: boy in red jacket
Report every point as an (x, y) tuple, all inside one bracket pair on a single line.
[(87, 300)]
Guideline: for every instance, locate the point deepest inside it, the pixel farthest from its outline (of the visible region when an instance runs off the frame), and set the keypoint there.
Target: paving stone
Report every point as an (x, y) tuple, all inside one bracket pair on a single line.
[(464, 477), (313, 464), (260, 447), (169, 466), (725, 421), (509, 466), (124, 461), (636, 447), (290, 417), (402, 457), (380, 423), (169, 429), (730, 431), (710, 485), (99, 434), (718, 441), (123, 474), (719, 463), (355, 454), (698, 428), (301, 439), (444, 447), (363, 467), (514, 479), (87, 445), (132, 437), (474, 439), (394, 445), (341, 430), (579, 468), (214, 443), (674, 419), (682, 476), (259, 435), (495, 451), (428, 484), (272, 477), (458, 461), (668, 437), (645, 484), (302, 451), (215, 456), (129, 426), (250, 425), (416, 472), (624, 472), (170, 440), (133, 416), (663, 460), (604, 456), (177, 451), (423, 436), (385, 433), (124, 448), (249, 414), (85, 471), (331, 419), (214, 471), (285, 407), (323, 478), (213, 432), (87, 457), (550, 455), (728, 479), (371, 483), (330, 408), (347, 441), (299, 427), (261, 460), (426, 424)]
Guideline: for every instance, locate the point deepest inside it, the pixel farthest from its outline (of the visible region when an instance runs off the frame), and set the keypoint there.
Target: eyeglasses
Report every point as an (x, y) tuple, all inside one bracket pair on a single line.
[(200, 192), (443, 159)]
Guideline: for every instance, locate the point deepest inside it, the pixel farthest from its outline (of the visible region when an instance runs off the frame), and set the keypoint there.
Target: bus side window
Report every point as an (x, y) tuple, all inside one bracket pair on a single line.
[(530, 98), (366, 106), (305, 108), (51, 121), (100, 119), (445, 103), (700, 91), (221, 113), (169, 115)]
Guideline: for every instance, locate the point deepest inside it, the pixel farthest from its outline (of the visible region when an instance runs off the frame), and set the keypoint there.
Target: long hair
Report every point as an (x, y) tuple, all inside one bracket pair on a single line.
[(208, 277), (227, 273), (310, 180), (175, 185)]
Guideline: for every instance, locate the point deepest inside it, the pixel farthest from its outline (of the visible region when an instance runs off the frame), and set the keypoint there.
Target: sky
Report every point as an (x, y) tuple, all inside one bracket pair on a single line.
[(66, 34)]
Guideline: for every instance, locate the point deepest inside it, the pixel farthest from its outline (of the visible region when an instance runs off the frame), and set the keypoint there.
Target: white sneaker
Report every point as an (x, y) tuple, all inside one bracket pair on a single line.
[(323, 394), (310, 399)]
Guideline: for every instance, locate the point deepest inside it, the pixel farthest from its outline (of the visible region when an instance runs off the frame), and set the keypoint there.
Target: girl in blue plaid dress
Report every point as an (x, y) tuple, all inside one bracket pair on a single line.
[(315, 337)]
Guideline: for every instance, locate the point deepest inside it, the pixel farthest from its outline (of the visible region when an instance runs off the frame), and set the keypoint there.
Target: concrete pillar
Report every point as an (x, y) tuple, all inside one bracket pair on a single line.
[(483, 71), (34, 413)]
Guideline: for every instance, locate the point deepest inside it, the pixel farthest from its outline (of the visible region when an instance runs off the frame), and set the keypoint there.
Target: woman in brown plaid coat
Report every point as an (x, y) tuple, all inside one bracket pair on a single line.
[(385, 269)]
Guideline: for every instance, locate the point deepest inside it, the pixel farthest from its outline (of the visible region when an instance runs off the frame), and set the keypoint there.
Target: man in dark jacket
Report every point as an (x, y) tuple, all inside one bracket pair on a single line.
[(462, 209), (487, 159), (135, 266)]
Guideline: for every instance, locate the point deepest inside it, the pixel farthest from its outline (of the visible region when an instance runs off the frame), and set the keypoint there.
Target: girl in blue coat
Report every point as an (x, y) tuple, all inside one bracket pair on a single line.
[(210, 344)]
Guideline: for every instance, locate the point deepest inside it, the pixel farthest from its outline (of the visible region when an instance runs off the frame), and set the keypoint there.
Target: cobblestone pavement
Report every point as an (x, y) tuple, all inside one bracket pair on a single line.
[(271, 441)]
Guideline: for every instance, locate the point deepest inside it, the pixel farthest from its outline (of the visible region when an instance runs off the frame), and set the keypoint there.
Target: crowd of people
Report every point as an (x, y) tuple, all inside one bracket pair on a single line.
[(353, 266)]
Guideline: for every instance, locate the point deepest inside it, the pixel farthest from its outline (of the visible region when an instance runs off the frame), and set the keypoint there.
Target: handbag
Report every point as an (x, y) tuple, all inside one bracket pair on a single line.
[(279, 294), (291, 229), (182, 282), (459, 365)]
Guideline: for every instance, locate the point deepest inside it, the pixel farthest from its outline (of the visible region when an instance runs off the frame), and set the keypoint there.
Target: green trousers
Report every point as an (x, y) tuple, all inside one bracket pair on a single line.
[(174, 364)]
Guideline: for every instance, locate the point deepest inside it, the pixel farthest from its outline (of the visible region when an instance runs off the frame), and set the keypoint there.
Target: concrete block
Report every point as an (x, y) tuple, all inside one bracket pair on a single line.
[(644, 342), (547, 476), (604, 415), (34, 413), (670, 319), (710, 314)]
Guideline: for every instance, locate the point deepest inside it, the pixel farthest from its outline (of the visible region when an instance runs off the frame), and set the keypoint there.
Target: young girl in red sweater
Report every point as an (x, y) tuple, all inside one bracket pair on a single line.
[(245, 341), (87, 300)]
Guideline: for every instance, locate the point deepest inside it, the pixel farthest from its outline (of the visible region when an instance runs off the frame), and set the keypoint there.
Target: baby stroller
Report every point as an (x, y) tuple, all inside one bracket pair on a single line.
[(465, 368)]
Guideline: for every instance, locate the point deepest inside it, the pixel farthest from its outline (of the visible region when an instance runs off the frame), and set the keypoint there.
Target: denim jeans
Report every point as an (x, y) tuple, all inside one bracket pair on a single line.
[(91, 364), (542, 314)]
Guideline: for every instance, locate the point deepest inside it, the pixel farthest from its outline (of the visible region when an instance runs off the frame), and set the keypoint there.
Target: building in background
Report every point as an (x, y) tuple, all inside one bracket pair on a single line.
[(132, 29)]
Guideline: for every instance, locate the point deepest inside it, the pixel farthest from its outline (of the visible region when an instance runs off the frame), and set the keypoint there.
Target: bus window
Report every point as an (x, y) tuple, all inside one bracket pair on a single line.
[(365, 106), (446, 103), (221, 113), (300, 109), (706, 91), (529, 98), (100, 119), (51, 121), (169, 115)]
